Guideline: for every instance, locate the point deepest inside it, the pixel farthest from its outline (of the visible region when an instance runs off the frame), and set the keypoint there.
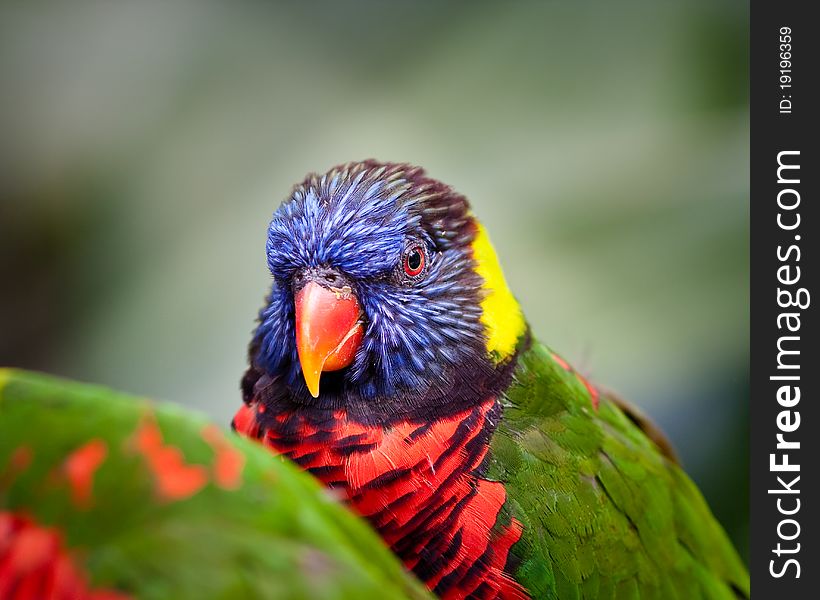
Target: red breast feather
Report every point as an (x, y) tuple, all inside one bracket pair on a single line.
[(419, 484)]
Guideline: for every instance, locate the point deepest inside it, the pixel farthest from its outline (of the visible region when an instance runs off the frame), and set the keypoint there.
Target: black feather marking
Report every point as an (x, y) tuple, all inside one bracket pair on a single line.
[(386, 478)]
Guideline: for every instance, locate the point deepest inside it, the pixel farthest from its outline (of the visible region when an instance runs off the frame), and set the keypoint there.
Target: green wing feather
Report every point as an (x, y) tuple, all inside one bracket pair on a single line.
[(605, 513), (276, 535)]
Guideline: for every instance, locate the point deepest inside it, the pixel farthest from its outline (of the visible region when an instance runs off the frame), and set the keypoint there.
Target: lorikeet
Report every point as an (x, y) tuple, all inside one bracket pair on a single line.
[(109, 497), (393, 363)]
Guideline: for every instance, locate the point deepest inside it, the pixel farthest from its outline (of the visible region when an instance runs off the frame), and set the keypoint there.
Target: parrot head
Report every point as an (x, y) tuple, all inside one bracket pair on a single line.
[(387, 295)]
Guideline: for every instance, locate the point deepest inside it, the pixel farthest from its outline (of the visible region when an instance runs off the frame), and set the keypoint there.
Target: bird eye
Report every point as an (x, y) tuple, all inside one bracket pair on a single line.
[(414, 261)]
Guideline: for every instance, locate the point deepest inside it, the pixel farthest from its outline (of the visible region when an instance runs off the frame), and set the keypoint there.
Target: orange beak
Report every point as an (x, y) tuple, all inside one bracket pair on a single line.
[(328, 331)]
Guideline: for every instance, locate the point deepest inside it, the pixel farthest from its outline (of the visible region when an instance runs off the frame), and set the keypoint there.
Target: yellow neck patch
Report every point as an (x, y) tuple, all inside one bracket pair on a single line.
[(503, 321)]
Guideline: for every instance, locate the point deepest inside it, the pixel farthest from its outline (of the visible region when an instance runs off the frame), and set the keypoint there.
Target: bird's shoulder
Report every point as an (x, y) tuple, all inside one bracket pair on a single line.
[(606, 511)]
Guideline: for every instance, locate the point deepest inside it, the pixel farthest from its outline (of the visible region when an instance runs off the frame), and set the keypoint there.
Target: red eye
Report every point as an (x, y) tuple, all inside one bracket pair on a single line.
[(414, 260)]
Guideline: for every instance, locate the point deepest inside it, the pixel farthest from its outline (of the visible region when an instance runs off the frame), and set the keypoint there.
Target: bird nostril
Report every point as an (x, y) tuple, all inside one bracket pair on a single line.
[(322, 275)]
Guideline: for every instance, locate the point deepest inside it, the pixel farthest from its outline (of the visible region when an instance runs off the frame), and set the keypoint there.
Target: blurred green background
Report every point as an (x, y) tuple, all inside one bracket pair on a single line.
[(605, 145)]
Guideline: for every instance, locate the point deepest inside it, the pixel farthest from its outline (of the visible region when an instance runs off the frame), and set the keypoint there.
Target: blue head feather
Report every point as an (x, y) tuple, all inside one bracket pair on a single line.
[(359, 219)]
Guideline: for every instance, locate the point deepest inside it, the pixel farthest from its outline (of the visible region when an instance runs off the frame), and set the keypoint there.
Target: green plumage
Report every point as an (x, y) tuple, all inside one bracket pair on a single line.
[(278, 535), (605, 513)]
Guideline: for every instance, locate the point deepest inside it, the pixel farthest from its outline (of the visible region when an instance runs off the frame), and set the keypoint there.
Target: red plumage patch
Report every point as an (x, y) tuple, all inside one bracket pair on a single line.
[(35, 564), (417, 482), (175, 479), (79, 468)]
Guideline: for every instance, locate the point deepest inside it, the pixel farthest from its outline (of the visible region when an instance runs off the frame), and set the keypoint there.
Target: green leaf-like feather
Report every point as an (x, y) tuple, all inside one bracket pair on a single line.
[(277, 535)]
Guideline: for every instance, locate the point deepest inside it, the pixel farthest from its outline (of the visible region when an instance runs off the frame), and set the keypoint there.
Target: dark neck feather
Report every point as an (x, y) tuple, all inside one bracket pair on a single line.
[(462, 388)]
